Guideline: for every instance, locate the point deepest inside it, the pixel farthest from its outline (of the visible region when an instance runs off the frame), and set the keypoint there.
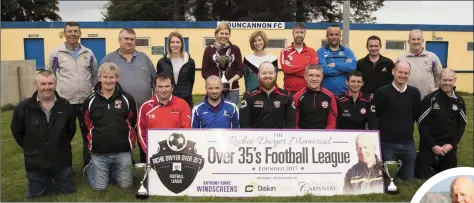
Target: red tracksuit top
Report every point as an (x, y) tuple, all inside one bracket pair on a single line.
[(294, 73), (174, 114)]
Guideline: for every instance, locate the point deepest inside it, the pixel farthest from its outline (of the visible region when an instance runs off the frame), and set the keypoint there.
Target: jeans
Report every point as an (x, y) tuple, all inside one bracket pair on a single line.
[(41, 181), (232, 96), (404, 152), (115, 166), (84, 131)]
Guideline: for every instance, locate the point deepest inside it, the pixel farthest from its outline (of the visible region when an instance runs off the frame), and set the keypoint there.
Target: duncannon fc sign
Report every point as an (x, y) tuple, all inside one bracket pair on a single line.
[(248, 163), (255, 25)]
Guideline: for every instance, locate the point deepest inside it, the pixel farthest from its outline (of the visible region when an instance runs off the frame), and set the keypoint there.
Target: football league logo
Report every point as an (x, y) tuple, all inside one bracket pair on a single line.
[(177, 162)]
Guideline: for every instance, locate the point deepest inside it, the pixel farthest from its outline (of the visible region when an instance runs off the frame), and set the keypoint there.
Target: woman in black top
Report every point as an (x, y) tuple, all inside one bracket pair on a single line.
[(180, 66)]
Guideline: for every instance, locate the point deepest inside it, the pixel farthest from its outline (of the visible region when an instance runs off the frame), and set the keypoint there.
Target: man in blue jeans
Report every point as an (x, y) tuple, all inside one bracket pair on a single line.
[(397, 106), (110, 115), (43, 126)]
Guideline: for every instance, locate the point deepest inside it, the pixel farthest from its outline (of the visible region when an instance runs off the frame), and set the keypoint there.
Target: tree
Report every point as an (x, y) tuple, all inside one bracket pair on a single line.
[(240, 10), (30, 10), (145, 10)]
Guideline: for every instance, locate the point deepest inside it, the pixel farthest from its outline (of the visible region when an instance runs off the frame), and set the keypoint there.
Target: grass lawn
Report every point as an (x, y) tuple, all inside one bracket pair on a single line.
[(14, 180)]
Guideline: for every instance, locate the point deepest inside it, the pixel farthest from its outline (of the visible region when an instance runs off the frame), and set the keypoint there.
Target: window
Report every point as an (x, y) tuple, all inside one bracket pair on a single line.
[(469, 46), (276, 43), (142, 42), (395, 45), (324, 42), (208, 41)]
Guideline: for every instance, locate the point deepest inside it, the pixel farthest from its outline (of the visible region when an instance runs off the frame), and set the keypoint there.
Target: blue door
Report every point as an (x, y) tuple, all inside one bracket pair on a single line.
[(186, 45), (97, 45), (440, 49), (34, 50)]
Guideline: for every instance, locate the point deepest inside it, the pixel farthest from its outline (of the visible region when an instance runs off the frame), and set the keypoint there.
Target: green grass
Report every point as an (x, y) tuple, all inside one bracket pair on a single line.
[(14, 179)]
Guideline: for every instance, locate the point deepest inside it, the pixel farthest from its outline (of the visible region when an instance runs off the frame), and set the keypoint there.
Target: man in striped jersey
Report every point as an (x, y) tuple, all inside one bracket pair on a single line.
[(441, 124)]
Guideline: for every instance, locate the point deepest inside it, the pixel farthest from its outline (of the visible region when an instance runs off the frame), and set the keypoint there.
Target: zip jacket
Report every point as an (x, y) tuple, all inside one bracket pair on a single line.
[(294, 72), (335, 77), (224, 115), (110, 122), (75, 76)]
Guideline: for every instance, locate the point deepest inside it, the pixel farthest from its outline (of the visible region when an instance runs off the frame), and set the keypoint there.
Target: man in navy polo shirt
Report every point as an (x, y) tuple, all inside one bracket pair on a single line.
[(215, 111)]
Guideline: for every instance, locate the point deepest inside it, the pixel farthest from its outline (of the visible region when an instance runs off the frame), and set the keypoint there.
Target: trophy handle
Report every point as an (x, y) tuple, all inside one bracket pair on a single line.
[(399, 163)]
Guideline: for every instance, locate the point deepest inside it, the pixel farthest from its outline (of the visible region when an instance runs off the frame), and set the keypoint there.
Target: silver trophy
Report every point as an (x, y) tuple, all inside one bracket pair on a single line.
[(222, 61), (144, 168), (391, 169)]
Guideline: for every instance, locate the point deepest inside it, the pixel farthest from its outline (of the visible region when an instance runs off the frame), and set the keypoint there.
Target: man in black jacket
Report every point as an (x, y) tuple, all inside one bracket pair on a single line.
[(377, 69), (43, 126), (267, 106), (110, 115), (354, 107), (441, 124)]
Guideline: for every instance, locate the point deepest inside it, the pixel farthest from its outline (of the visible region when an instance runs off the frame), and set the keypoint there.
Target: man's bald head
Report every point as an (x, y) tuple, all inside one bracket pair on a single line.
[(447, 72), (213, 79), (402, 64), (462, 190)]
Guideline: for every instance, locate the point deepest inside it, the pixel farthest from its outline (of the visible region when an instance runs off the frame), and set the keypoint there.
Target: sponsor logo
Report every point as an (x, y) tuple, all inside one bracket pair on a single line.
[(251, 187), (317, 188), (243, 104), (258, 104), (174, 111), (277, 104), (177, 162), (217, 186), (455, 107), (118, 104), (151, 116), (436, 106), (324, 104)]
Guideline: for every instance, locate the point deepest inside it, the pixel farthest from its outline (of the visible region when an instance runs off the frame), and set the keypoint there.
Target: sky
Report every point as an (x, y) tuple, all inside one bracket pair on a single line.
[(443, 186), (393, 12)]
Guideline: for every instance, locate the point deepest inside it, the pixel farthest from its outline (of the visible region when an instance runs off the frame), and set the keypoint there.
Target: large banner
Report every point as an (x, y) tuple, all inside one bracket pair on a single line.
[(244, 163)]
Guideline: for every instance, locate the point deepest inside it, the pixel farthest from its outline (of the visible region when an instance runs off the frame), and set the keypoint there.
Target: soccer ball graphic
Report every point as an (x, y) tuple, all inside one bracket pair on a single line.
[(177, 142)]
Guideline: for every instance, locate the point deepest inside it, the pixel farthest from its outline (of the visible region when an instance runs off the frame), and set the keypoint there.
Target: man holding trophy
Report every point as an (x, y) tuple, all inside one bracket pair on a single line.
[(224, 60), (397, 107)]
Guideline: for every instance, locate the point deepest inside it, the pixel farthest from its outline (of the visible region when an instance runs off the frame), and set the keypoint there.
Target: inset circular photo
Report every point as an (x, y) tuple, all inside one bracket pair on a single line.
[(451, 186)]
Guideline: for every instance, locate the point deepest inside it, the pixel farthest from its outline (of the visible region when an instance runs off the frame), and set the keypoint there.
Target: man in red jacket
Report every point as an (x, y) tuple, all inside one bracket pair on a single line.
[(162, 111), (294, 60), (316, 107)]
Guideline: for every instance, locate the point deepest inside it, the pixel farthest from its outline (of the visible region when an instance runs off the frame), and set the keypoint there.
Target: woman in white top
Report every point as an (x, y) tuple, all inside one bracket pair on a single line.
[(179, 64), (258, 43)]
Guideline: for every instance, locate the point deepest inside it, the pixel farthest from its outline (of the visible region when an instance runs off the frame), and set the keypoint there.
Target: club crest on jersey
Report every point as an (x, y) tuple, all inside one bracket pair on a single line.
[(118, 104), (455, 107), (363, 111), (324, 104), (277, 104)]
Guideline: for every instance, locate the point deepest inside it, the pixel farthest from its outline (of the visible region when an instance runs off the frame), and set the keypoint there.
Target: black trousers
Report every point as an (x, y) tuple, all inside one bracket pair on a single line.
[(86, 157), (426, 157)]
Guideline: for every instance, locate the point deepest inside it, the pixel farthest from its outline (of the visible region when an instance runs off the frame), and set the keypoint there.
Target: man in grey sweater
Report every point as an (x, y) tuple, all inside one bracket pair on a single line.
[(425, 65)]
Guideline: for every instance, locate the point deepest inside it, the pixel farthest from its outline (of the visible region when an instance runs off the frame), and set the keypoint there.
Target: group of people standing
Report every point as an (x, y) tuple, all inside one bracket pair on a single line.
[(119, 100)]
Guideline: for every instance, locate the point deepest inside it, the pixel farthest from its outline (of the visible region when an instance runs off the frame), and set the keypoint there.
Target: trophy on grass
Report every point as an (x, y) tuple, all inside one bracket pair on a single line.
[(144, 168), (391, 169), (222, 61)]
